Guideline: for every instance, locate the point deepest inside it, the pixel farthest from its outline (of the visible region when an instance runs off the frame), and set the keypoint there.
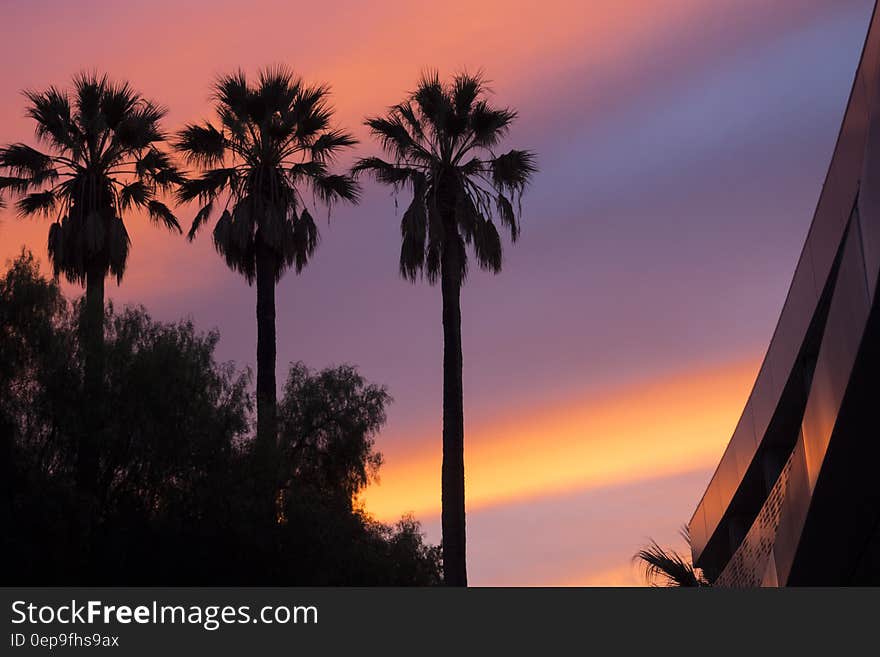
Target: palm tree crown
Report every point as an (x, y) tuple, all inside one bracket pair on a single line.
[(441, 144), (101, 161), (273, 139)]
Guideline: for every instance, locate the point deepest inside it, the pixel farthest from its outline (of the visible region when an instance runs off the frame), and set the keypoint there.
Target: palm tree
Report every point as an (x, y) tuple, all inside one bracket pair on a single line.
[(441, 144), (273, 140), (101, 161), (669, 567)]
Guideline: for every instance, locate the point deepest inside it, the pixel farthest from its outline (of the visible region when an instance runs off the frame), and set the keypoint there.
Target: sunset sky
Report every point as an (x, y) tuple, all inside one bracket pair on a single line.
[(682, 146)]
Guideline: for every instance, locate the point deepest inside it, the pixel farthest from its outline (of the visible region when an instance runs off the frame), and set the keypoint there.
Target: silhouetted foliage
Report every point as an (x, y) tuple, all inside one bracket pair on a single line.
[(328, 421), (441, 144), (666, 567), (177, 486), (441, 141), (272, 144)]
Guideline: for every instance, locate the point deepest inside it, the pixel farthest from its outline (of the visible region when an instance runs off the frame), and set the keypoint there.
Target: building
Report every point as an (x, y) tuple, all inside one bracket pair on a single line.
[(795, 499)]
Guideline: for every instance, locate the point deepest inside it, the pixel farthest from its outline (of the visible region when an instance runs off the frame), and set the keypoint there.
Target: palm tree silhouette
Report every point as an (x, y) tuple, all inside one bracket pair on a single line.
[(101, 161), (440, 142), (273, 139)]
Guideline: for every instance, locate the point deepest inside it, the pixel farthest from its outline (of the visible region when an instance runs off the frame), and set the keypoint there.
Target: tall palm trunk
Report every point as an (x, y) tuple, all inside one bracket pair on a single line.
[(93, 342), (453, 512), (266, 395)]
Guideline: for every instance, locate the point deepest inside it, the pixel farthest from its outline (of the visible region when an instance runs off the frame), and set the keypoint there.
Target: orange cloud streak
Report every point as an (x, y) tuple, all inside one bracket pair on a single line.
[(656, 428), (625, 574)]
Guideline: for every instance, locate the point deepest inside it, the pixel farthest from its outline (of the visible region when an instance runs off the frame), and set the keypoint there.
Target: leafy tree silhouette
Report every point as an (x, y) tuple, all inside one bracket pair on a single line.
[(101, 161), (273, 140), (328, 421), (176, 480), (441, 143)]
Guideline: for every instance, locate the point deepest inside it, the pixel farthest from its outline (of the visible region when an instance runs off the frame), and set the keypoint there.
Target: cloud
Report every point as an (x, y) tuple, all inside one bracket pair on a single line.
[(583, 537), (656, 427)]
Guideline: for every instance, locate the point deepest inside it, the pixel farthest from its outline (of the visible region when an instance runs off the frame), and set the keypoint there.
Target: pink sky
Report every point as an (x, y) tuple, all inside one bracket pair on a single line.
[(682, 146)]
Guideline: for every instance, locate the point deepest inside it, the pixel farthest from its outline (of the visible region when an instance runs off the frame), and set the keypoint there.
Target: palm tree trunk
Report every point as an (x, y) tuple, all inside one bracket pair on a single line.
[(266, 395), (93, 343), (453, 512)]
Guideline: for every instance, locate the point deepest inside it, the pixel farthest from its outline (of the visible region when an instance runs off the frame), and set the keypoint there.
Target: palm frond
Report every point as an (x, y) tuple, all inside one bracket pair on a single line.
[(233, 97), (239, 257), (207, 186), (51, 112), (312, 168), (141, 127), (336, 187), (327, 145), (305, 240), (668, 566), (487, 245), (167, 177), (310, 112), (19, 185), (465, 91), (243, 224), (413, 124), (277, 88), (117, 102), (432, 100), (489, 125), (202, 145), (135, 193), (23, 160), (384, 172), (37, 203), (414, 234), (436, 242), (513, 170), (232, 91), (157, 167), (119, 246), (55, 246), (152, 160), (508, 216), (201, 217), (161, 214), (88, 89), (394, 136)]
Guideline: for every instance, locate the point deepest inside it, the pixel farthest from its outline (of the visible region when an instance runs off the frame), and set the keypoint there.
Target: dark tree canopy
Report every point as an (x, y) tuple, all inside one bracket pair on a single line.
[(176, 481), (328, 423)]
